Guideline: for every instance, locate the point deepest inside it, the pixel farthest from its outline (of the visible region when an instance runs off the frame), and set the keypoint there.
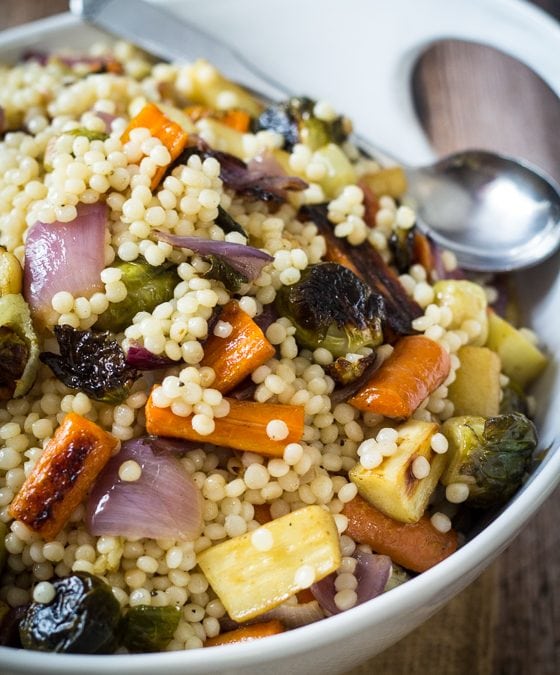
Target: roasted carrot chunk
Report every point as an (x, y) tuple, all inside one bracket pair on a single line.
[(246, 633), (235, 357), (169, 133), (416, 546), (244, 428), (423, 251), (236, 119), (70, 462), (414, 370)]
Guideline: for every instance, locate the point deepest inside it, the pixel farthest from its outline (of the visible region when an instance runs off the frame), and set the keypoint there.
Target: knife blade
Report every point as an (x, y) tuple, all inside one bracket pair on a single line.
[(144, 24)]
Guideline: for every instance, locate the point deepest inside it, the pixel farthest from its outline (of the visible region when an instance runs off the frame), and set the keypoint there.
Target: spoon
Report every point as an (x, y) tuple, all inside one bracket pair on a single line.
[(494, 212)]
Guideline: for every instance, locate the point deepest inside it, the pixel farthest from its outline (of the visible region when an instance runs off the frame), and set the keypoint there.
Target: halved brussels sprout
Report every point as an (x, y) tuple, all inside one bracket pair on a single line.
[(19, 348)]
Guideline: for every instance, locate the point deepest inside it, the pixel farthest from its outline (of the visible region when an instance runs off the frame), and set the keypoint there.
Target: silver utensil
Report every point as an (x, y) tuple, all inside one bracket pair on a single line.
[(495, 213)]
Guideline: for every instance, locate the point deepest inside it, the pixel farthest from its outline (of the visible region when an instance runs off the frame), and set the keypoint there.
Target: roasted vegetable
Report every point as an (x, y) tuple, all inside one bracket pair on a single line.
[(82, 618), (345, 371), (255, 631), (149, 629), (295, 120), (476, 389), (147, 287), (332, 308), (9, 625), (3, 554), (251, 577), (90, 135), (389, 181), (401, 245), (19, 349), (59, 481), (221, 270), (227, 223), (91, 362), (11, 274), (514, 400), (490, 455), (521, 360), (392, 486)]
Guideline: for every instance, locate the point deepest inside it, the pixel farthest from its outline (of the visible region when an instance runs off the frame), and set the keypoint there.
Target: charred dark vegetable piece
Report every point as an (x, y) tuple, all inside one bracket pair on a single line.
[(491, 455), (295, 120), (92, 363), (82, 618), (344, 372), (149, 629), (19, 349), (401, 245), (9, 625), (372, 269), (147, 287), (331, 308), (227, 223), (220, 270), (514, 400)]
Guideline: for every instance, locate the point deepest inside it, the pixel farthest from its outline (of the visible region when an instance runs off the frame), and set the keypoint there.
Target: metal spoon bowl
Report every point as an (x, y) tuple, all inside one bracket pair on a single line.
[(495, 213)]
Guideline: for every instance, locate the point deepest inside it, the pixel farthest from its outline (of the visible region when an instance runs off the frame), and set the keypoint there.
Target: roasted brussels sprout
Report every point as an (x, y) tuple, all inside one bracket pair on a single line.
[(490, 455), (398, 576), (19, 348), (149, 629), (332, 308), (345, 371), (91, 362), (82, 618), (295, 120), (220, 270), (147, 287), (401, 245), (9, 624), (514, 399)]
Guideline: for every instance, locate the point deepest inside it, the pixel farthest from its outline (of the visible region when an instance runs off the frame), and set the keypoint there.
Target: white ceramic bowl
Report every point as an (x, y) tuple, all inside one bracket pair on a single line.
[(374, 45)]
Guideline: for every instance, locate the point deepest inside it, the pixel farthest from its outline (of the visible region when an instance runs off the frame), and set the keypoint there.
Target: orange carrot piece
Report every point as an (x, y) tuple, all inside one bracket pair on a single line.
[(423, 251), (244, 428), (414, 370), (70, 462), (246, 633), (262, 513), (240, 120), (416, 546), (237, 356), (169, 133)]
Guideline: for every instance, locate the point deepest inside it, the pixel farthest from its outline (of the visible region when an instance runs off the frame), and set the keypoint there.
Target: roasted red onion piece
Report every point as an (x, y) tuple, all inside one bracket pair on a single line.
[(64, 257), (139, 357), (163, 502), (372, 573), (246, 260)]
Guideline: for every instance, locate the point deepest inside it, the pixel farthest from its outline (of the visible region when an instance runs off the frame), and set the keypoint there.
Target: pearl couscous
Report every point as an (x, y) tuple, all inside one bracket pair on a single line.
[(129, 166)]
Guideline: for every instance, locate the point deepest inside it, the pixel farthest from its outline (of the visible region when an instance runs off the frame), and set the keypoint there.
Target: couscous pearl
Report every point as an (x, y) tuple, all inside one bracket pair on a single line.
[(457, 493), (420, 468), (44, 592), (441, 522), (277, 430), (345, 599), (304, 576), (439, 443), (262, 539), (130, 471)]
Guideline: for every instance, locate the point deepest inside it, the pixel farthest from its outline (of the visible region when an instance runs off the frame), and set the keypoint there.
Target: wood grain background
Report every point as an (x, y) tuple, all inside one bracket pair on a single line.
[(508, 621)]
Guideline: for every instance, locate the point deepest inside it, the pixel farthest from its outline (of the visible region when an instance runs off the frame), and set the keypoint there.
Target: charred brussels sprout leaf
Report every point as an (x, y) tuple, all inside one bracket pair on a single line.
[(147, 287), (231, 278), (344, 371), (331, 308), (81, 619), (514, 400), (149, 629), (295, 120), (19, 348), (91, 362), (227, 223), (401, 245), (491, 454)]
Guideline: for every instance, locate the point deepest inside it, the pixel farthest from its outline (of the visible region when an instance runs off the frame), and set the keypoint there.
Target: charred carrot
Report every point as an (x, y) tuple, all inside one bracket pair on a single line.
[(371, 203), (235, 357), (416, 367), (244, 428), (262, 513), (70, 462), (246, 633), (416, 546), (240, 120), (160, 126), (423, 251)]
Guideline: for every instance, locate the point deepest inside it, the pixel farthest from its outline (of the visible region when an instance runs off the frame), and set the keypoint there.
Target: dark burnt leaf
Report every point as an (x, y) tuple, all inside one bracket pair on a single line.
[(91, 362), (228, 224), (401, 245), (220, 270), (344, 372), (81, 619), (14, 354)]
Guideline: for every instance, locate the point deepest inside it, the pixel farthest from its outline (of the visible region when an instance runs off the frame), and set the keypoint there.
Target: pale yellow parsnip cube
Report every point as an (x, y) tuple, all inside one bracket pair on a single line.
[(476, 389), (392, 487), (250, 581)]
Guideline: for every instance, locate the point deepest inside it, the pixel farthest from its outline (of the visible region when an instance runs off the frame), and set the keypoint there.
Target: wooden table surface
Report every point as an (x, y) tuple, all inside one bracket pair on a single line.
[(508, 621)]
